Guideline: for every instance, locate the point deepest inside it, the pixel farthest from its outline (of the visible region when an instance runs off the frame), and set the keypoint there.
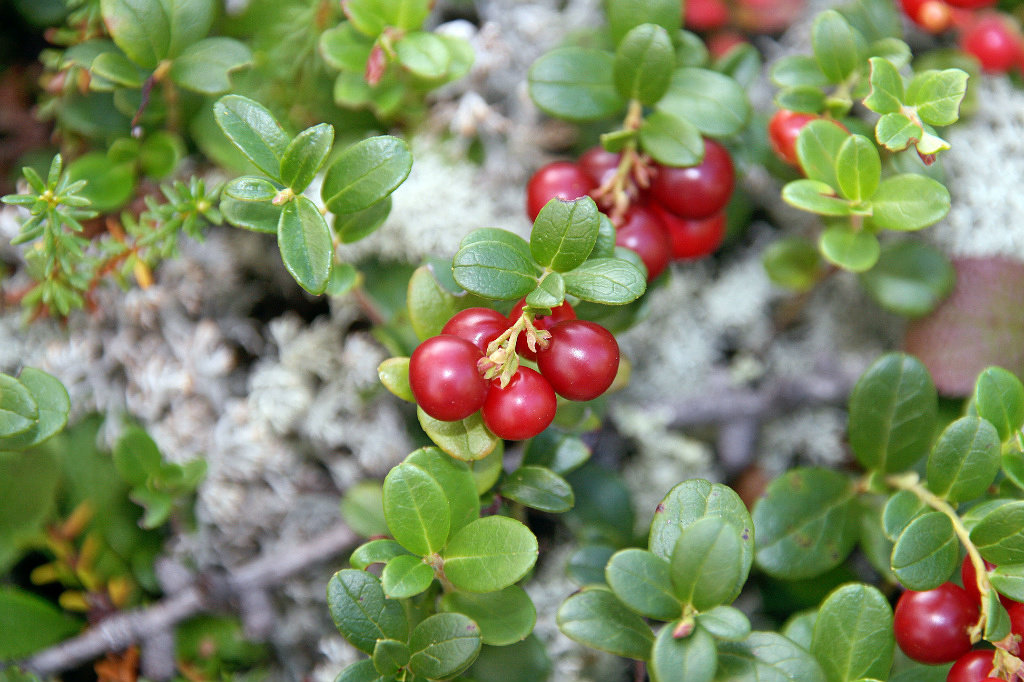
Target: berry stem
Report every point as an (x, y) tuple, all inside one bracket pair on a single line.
[(501, 357)]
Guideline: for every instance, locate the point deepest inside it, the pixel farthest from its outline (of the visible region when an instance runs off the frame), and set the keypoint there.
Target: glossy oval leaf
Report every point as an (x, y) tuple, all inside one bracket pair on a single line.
[(766, 656), (305, 156), (252, 188), (642, 580), (926, 553), (814, 196), (999, 535), (254, 130), (596, 618), (902, 508), (806, 523), (351, 227), (624, 15), (206, 66), (612, 281), (693, 658), (53, 405), (853, 250), (644, 60), (365, 173), (707, 562), (405, 576), (838, 47), (362, 671), (495, 270), (965, 460), (1009, 580), (19, 412), (416, 509), (564, 233), (467, 439), (725, 622), (30, 623), (443, 645), (258, 216), (489, 554), (909, 201), (575, 84), (858, 168), (139, 27), (423, 54), (394, 374), (305, 243), (455, 479), (817, 148), (504, 617), (375, 552), (793, 262), (910, 278), (853, 636), (713, 102), (999, 399), (389, 656), (538, 488), (361, 612), (671, 140)]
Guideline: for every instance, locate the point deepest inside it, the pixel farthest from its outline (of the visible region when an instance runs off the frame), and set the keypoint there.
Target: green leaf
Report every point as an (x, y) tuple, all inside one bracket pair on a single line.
[(900, 510), (886, 96), (18, 409), (160, 153), (806, 523), (362, 613), (688, 503), (375, 552), (351, 227), (305, 156), (575, 84), (965, 460), (467, 439), (817, 148), (766, 656), (910, 278), (713, 102), (612, 281), (205, 67), (643, 581), (495, 266), (853, 250), (587, 564), (692, 658), (892, 49), (305, 243), (362, 508), (488, 470), (28, 492), (815, 197), (254, 130), (803, 99), (838, 47), (489, 554), (363, 671), (937, 95), (999, 535), (853, 636), (707, 563), (345, 48), (644, 60), (538, 488), (596, 618), (258, 216), (725, 622), (624, 15), (1009, 580), (671, 140), (798, 71), (564, 233), (139, 27), (373, 16), (118, 69), (893, 411), (909, 202), (52, 408), (742, 63), (1012, 462), (896, 131), (525, 661), (456, 479), (858, 168), (136, 457), (365, 173), (416, 509), (109, 184), (30, 623), (443, 645), (406, 576), (998, 398), (423, 54), (800, 627), (252, 188), (394, 374), (430, 305), (557, 451), (504, 617), (997, 626), (926, 553), (550, 292), (389, 656), (793, 262)]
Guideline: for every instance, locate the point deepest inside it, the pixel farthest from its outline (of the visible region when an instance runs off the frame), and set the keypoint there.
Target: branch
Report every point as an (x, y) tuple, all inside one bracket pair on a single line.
[(118, 632)]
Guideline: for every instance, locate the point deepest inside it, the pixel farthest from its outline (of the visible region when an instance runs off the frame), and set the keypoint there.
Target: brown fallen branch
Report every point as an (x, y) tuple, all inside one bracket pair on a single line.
[(205, 594)]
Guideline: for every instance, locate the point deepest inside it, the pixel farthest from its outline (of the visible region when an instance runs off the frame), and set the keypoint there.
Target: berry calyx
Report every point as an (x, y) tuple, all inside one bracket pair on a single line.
[(479, 326), (522, 409), (561, 179), (581, 359), (783, 130), (932, 626), (696, 191), (974, 666), (444, 378), (545, 322), (692, 239), (643, 231)]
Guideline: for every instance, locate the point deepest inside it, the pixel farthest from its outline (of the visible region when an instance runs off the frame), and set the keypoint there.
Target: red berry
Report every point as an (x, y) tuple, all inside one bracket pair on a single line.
[(783, 129), (974, 666), (643, 231), (560, 179), (599, 164), (581, 359), (721, 42), (972, 4), (994, 42), (479, 326), (696, 191), (1016, 611), (705, 15), (444, 377), (969, 578), (931, 627), (521, 410), (933, 16), (692, 239), (558, 314)]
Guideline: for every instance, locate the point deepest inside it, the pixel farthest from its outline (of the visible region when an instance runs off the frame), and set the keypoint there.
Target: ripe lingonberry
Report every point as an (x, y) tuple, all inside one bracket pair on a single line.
[(581, 359), (705, 15), (969, 578), (643, 231), (561, 179), (696, 191), (931, 626), (599, 164), (444, 378), (479, 326), (994, 42), (558, 314), (1016, 611), (521, 410), (972, 4), (974, 666), (934, 16), (783, 129), (692, 239)]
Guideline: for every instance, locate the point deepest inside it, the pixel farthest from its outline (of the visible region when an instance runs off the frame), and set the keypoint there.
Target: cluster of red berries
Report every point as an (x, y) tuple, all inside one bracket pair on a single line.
[(992, 37), (673, 212), (578, 361), (783, 129), (933, 627)]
